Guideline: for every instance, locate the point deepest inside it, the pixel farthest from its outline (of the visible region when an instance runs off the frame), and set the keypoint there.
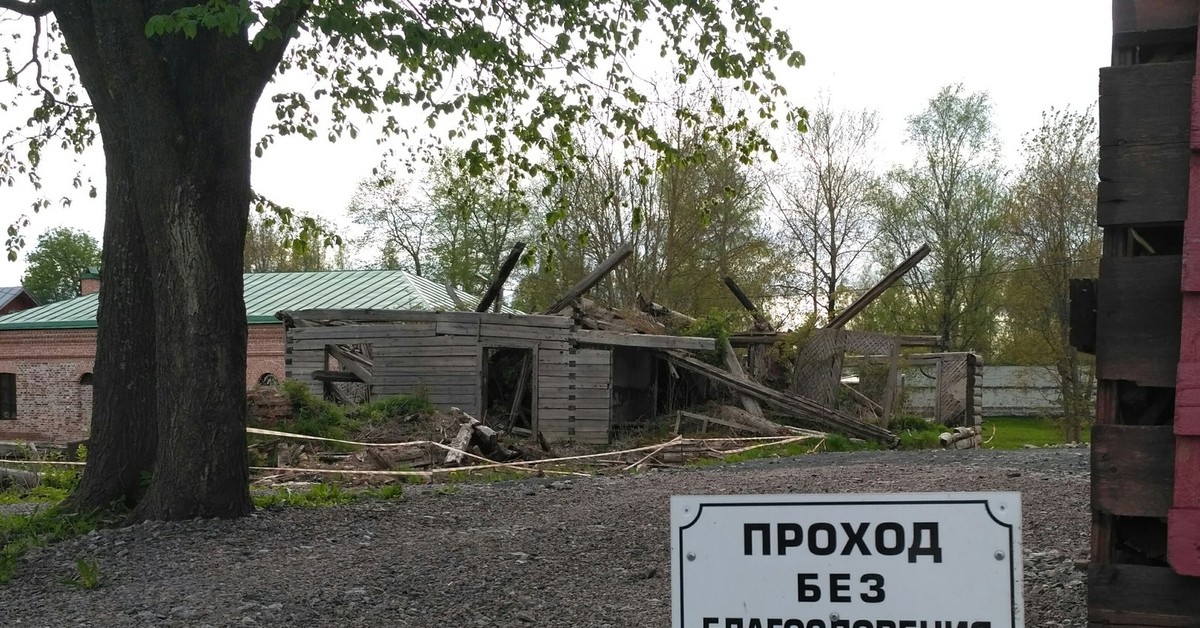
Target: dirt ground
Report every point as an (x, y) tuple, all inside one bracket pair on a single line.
[(590, 552)]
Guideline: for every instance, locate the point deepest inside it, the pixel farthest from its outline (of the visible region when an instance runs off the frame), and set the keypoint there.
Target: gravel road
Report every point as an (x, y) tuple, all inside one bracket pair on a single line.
[(585, 553)]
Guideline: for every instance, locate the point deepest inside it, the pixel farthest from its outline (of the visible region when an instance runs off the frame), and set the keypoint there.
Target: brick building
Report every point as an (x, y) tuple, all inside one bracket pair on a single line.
[(15, 299), (47, 352)]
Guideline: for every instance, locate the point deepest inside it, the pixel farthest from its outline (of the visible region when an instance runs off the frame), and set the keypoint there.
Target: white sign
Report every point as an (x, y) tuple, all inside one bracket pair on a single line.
[(912, 560)]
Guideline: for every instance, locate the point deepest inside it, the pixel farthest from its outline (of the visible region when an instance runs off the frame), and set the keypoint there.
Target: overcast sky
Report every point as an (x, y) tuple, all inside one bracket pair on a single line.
[(879, 54)]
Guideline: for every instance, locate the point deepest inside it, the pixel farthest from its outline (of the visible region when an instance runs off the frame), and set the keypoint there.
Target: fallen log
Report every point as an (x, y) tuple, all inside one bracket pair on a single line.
[(961, 438), (16, 477)]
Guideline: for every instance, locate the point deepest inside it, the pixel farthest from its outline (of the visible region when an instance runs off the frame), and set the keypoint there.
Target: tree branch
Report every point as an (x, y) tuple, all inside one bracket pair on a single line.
[(37, 8), (267, 60)]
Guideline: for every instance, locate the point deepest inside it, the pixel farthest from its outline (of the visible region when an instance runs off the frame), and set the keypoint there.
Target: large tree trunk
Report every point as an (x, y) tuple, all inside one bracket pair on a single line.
[(179, 111), (123, 429), (200, 321)]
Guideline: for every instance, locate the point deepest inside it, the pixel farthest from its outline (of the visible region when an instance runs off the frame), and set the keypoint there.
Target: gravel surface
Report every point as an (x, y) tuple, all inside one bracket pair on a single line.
[(590, 552)]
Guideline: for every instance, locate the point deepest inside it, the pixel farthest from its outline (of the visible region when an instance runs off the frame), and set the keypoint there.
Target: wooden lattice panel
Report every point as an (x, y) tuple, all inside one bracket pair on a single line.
[(818, 368)]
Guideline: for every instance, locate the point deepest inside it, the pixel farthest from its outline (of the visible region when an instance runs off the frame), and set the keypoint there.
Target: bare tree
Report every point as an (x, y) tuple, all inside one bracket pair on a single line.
[(824, 204), (397, 223)]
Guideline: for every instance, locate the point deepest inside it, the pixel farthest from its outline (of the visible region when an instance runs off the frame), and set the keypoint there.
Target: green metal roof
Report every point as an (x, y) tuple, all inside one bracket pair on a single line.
[(268, 293)]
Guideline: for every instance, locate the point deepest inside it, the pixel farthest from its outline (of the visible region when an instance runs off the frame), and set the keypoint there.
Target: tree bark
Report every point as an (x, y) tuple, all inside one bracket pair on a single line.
[(175, 115), (124, 429)]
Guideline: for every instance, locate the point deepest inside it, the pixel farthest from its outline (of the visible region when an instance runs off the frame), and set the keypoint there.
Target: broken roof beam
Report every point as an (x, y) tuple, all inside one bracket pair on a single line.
[(878, 289), (497, 285), (454, 298), (350, 362), (658, 310), (754, 338), (827, 419), (643, 341), (592, 278), (760, 322), (336, 376)]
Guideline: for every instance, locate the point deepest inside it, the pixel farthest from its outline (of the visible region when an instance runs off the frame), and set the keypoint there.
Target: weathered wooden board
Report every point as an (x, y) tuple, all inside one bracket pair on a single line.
[(1143, 184), (1133, 469), (571, 383), (493, 318), (593, 357), (1135, 595), (364, 316), (446, 371), (392, 354), (1138, 313), (1145, 104), (575, 393), (648, 341), (345, 331), (524, 332), (578, 404)]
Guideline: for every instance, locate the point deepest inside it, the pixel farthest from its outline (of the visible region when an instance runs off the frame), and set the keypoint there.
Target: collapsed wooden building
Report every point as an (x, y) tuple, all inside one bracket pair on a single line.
[(579, 372), (573, 381)]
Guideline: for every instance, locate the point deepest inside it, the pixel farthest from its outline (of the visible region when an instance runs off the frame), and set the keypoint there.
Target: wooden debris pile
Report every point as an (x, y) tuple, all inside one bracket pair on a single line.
[(468, 452), (641, 330)]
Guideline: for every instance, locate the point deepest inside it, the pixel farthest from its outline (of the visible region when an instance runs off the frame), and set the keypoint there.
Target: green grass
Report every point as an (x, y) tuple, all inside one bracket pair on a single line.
[(1016, 432), (20, 533), (87, 574), (326, 495)]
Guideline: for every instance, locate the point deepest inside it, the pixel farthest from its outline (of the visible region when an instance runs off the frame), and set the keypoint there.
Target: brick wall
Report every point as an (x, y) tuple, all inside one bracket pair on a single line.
[(52, 403)]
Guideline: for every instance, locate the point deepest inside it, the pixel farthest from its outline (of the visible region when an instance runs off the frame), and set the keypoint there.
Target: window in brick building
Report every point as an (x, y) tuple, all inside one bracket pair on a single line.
[(8, 396), (86, 380)]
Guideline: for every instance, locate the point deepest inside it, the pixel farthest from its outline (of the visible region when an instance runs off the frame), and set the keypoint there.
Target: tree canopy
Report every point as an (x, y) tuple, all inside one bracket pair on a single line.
[(172, 87), (56, 262)]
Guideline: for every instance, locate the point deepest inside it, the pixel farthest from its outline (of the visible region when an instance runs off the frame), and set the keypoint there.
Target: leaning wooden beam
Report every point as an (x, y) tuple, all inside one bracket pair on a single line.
[(878, 289), (735, 369), (645, 341), (454, 298), (863, 399), (497, 284), (336, 376), (592, 278), (352, 364), (760, 322), (827, 419)]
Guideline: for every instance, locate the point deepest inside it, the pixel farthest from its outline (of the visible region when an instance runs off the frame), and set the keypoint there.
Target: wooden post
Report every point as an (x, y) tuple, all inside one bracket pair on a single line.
[(592, 278), (878, 289), (889, 392), (497, 284)]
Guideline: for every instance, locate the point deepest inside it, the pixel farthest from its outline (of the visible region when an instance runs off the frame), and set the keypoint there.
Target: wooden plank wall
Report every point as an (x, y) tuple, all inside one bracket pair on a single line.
[(1137, 319), (1144, 143), (442, 355), (1148, 150), (575, 395)]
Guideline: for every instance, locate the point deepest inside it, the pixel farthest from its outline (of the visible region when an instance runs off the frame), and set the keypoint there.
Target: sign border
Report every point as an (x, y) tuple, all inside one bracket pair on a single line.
[(847, 500)]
